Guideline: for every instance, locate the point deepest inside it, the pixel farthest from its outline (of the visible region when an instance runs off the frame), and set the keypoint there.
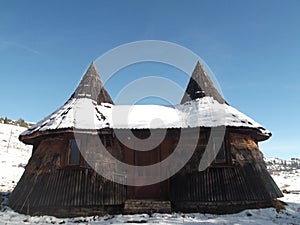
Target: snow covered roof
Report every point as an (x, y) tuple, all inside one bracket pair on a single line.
[(91, 108), (85, 113)]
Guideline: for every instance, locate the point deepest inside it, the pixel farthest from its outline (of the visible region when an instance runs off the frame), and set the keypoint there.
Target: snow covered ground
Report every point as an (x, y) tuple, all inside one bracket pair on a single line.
[(14, 155), (256, 216), (289, 181), (286, 173)]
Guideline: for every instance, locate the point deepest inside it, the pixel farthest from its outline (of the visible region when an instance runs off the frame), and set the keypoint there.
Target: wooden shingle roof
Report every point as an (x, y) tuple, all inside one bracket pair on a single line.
[(92, 87), (200, 85)]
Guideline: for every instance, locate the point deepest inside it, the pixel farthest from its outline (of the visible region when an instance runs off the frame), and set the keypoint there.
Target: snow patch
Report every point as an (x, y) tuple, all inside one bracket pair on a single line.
[(84, 113)]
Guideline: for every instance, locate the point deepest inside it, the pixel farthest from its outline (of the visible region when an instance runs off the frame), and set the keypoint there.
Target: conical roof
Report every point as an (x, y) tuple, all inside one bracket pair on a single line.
[(201, 106), (92, 87), (89, 92), (200, 85)]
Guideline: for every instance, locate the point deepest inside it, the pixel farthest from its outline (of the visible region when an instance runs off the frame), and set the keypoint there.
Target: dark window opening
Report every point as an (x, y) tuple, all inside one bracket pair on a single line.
[(219, 149), (74, 152), (107, 140)]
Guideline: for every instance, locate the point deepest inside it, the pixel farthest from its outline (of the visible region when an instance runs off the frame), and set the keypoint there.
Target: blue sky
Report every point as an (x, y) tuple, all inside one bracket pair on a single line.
[(253, 48)]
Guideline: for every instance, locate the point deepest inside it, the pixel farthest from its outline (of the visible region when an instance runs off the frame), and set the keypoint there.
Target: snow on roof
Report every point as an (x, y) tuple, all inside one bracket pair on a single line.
[(84, 113)]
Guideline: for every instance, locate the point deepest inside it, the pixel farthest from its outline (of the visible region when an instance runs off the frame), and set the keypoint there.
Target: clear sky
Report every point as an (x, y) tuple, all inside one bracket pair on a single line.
[(253, 48)]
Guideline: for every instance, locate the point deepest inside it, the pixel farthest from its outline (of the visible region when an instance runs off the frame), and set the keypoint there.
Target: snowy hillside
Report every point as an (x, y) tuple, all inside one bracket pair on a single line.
[(286, 173), (276, 165), (14, 155)]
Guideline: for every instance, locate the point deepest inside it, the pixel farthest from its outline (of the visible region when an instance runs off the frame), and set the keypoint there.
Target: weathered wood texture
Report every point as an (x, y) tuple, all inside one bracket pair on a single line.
[(92, 87), (244, 183), (64, 189), (248, 183), (50, 186), (200, 85)]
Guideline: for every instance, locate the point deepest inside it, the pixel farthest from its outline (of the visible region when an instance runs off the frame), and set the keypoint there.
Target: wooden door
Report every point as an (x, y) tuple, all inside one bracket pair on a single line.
[(144, 158)]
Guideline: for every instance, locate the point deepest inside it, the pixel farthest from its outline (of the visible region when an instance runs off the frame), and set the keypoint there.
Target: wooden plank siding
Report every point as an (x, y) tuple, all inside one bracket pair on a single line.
[(51, 186), (66, 188), (235, 183)]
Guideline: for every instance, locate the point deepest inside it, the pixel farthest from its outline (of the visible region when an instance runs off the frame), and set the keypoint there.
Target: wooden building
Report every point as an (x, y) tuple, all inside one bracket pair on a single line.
[(59, 181)]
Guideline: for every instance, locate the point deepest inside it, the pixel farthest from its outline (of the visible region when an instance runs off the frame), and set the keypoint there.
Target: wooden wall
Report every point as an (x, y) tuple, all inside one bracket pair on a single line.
[(64, 190), (49, 183), (244, 179)]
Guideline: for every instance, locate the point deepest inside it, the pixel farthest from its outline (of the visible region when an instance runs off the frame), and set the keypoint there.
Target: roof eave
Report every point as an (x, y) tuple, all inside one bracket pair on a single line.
[(36, 136)]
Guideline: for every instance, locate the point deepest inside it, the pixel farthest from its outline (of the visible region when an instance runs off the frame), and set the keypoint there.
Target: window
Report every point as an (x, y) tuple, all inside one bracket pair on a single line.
[(74, 152), (107, 141), (219, 150)]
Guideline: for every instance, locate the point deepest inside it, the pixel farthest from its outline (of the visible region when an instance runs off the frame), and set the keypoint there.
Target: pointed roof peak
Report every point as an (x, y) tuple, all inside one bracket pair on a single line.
[(92, 67), (92, 87), (91, 71), (200, 85)]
